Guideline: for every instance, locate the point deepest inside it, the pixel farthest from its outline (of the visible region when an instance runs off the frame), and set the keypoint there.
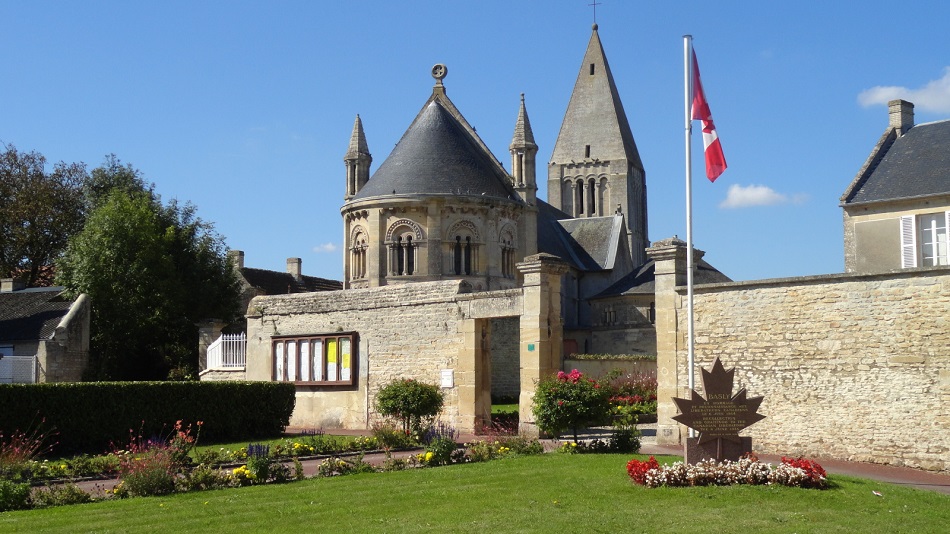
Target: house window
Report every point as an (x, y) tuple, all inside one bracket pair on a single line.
[(318, 359), (925, 240)]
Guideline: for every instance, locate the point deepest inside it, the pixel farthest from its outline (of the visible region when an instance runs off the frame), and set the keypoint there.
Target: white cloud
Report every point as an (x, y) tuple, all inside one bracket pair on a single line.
[(934, 96), (326, 247), (757, 195)]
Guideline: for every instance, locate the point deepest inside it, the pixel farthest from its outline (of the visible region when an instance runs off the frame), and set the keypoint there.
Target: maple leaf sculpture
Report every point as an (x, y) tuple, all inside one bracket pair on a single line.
[(721, 415)]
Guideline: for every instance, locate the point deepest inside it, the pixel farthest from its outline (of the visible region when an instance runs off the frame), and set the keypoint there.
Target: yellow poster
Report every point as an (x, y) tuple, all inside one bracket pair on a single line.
[(331, 351)]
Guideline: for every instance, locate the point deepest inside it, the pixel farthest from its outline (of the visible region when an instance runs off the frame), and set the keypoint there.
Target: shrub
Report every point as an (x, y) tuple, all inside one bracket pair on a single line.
[(412, 402), (19, 449), (569, 401), (635, 390), (90, 416), (336, 466), (440, 444), (390, 437), (625, 436), (62, 495), (14, 496), (86, 465), (148, 472), (203, 477), (259, 461), (502, 445), (148, 467)]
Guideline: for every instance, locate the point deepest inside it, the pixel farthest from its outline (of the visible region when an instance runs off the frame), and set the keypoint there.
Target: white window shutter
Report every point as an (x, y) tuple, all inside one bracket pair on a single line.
[(908, 242), (947, 234)]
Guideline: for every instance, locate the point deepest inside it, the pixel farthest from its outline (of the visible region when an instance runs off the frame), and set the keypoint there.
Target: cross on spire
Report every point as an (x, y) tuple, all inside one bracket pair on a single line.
[(594, 4)]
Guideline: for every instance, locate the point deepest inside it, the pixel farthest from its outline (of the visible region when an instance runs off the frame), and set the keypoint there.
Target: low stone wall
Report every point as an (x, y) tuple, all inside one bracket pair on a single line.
[(598, 368), (852, 367), (221, 375)]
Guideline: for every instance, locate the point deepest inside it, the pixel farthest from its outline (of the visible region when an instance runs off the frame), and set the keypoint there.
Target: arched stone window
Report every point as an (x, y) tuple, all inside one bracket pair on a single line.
[(358, 246), (603, 196), (567, 196), (464, 242), (403, 240), (509, 250), (579, 197)]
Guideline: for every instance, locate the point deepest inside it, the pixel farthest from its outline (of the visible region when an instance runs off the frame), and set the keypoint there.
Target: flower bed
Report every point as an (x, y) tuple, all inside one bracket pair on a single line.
[(793, 472)]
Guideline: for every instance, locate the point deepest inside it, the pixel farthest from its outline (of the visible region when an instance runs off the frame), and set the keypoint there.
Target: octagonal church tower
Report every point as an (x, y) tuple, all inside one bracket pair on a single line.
[(441, 206)]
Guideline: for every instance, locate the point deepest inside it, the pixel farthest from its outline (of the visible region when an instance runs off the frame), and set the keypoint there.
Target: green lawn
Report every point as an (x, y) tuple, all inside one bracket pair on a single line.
[(549, 493), (504, 408)]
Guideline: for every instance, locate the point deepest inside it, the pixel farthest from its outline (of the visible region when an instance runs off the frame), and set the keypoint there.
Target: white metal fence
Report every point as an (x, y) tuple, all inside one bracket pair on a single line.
[(227, 352), (18, 369)]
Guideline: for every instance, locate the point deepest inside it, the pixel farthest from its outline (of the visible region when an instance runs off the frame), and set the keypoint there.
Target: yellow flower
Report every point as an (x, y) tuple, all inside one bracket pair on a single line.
[(428, 456)]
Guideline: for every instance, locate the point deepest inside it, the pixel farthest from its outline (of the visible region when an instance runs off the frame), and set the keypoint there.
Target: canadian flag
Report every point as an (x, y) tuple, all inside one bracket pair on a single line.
[(715, 160)]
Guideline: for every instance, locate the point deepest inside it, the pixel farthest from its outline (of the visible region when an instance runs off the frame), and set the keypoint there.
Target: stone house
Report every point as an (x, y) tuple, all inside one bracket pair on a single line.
[(897, 209), (44, 335)]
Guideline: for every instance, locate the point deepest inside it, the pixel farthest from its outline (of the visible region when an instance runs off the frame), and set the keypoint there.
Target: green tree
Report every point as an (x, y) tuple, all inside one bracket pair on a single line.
[(569, 401), (414, 403), (39, 212), (152, 271), (113, 176)]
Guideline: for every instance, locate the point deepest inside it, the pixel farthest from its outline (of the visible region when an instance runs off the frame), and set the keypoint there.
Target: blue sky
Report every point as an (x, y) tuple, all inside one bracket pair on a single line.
[(245, 108)]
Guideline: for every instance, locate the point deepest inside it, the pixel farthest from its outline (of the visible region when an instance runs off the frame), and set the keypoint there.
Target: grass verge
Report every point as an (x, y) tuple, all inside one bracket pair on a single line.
[(553, 492)]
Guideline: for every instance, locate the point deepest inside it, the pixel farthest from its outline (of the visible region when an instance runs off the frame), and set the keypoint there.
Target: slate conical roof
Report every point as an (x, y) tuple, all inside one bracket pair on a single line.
[(595, 115), (439, 155)]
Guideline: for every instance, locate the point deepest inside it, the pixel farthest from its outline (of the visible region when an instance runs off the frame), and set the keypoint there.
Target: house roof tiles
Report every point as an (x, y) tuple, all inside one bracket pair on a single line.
[(278, 283), (32, 313), (917, 164)]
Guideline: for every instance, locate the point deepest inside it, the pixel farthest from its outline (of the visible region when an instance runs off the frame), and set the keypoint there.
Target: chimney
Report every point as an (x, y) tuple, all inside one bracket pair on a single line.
[(9, 285), (901, 113), (237, 259), (293, 267)]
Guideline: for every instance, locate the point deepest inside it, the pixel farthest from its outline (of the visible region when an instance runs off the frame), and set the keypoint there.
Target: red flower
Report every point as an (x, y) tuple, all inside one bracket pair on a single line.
[(638, 470)]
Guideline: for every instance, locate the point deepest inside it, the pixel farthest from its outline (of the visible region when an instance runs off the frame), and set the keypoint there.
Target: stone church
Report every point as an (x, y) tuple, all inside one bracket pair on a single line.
[(456, 273)]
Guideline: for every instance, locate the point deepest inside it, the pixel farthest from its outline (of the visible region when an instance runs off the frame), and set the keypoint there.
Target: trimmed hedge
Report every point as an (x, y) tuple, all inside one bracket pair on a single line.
[(92, 416)]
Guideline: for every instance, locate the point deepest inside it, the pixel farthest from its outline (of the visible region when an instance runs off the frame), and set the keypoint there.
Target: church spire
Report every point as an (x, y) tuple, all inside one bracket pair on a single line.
[(357, 159), (523, 155), (595, 165)]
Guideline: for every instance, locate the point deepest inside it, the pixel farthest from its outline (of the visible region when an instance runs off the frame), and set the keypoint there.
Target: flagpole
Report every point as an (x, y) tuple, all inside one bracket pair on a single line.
[(688, 78)]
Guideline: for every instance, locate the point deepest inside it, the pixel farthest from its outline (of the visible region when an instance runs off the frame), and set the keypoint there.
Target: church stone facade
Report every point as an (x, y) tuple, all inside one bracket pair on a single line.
[(456, 273)]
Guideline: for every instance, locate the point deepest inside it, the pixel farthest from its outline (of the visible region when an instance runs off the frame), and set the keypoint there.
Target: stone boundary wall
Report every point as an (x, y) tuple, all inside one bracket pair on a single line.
[(853, 367), (407, 331)]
